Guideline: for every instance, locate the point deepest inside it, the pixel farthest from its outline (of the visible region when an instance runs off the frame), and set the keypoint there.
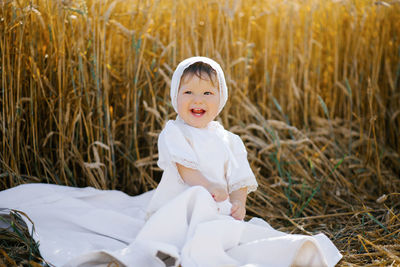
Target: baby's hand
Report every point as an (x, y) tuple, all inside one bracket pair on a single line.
[(238, 210), (218, 192)]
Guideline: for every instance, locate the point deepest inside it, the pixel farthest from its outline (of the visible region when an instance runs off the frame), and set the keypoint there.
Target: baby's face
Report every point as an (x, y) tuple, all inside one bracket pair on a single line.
[(198, 100)]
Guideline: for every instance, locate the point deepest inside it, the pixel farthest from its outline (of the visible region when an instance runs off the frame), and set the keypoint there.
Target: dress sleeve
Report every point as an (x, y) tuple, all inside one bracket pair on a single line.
[(174, 147), (241, 174)]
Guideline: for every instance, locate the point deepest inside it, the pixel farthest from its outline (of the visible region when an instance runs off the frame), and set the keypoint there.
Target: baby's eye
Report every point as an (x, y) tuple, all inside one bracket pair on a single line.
[(208, 93), (187, 92)]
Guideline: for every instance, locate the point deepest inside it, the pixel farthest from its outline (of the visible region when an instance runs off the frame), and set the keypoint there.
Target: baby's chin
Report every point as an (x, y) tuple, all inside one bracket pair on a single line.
[(198, 124)]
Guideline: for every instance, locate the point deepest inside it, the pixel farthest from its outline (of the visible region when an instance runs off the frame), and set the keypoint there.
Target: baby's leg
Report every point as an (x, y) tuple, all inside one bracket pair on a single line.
[(308, 256)]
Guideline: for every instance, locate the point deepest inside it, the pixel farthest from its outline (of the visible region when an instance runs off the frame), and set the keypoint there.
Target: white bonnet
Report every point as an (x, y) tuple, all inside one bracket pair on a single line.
[(176, 78)]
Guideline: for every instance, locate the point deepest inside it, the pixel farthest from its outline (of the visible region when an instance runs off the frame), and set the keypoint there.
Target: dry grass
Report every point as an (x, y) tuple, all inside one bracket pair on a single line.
[(314, 93)]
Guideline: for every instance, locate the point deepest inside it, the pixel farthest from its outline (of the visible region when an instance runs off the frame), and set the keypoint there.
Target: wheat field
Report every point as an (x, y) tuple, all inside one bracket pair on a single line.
[(314, 92)]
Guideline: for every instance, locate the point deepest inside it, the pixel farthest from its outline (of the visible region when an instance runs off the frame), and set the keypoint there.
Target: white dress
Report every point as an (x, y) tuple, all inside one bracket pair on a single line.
[(217, 153), (89, 227)]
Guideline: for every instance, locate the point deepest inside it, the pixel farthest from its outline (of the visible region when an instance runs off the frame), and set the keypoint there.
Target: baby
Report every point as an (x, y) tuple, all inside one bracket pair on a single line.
[(194, 149), (206, 174)]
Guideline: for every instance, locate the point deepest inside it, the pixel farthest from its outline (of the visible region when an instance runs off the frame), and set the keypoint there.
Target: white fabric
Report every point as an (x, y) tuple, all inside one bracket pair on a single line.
[(86, 227), (217, 153), (176, 79), (71, 221)]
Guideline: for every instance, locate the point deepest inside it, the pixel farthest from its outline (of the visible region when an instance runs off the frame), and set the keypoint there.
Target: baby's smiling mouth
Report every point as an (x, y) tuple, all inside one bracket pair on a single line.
[(197, 111)]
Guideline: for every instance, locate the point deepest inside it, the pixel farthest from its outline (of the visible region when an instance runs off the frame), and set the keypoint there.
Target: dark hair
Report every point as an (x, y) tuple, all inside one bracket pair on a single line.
[(200, 69)]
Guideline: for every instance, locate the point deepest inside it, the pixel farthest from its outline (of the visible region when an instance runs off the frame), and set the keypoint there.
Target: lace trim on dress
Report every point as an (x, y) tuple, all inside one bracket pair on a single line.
[(187, 163), (184, 162), (249, 183)]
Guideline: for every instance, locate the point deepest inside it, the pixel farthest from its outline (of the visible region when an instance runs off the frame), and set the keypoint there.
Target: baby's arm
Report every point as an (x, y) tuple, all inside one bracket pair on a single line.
[(194, 177), (238, 200)]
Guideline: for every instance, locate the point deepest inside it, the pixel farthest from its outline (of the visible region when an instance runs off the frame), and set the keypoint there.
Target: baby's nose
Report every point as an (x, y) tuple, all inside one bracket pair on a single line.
[(198, 99)]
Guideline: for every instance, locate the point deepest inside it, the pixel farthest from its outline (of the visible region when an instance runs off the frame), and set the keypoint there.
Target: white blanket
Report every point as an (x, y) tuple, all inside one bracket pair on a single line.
[(89, 227)]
